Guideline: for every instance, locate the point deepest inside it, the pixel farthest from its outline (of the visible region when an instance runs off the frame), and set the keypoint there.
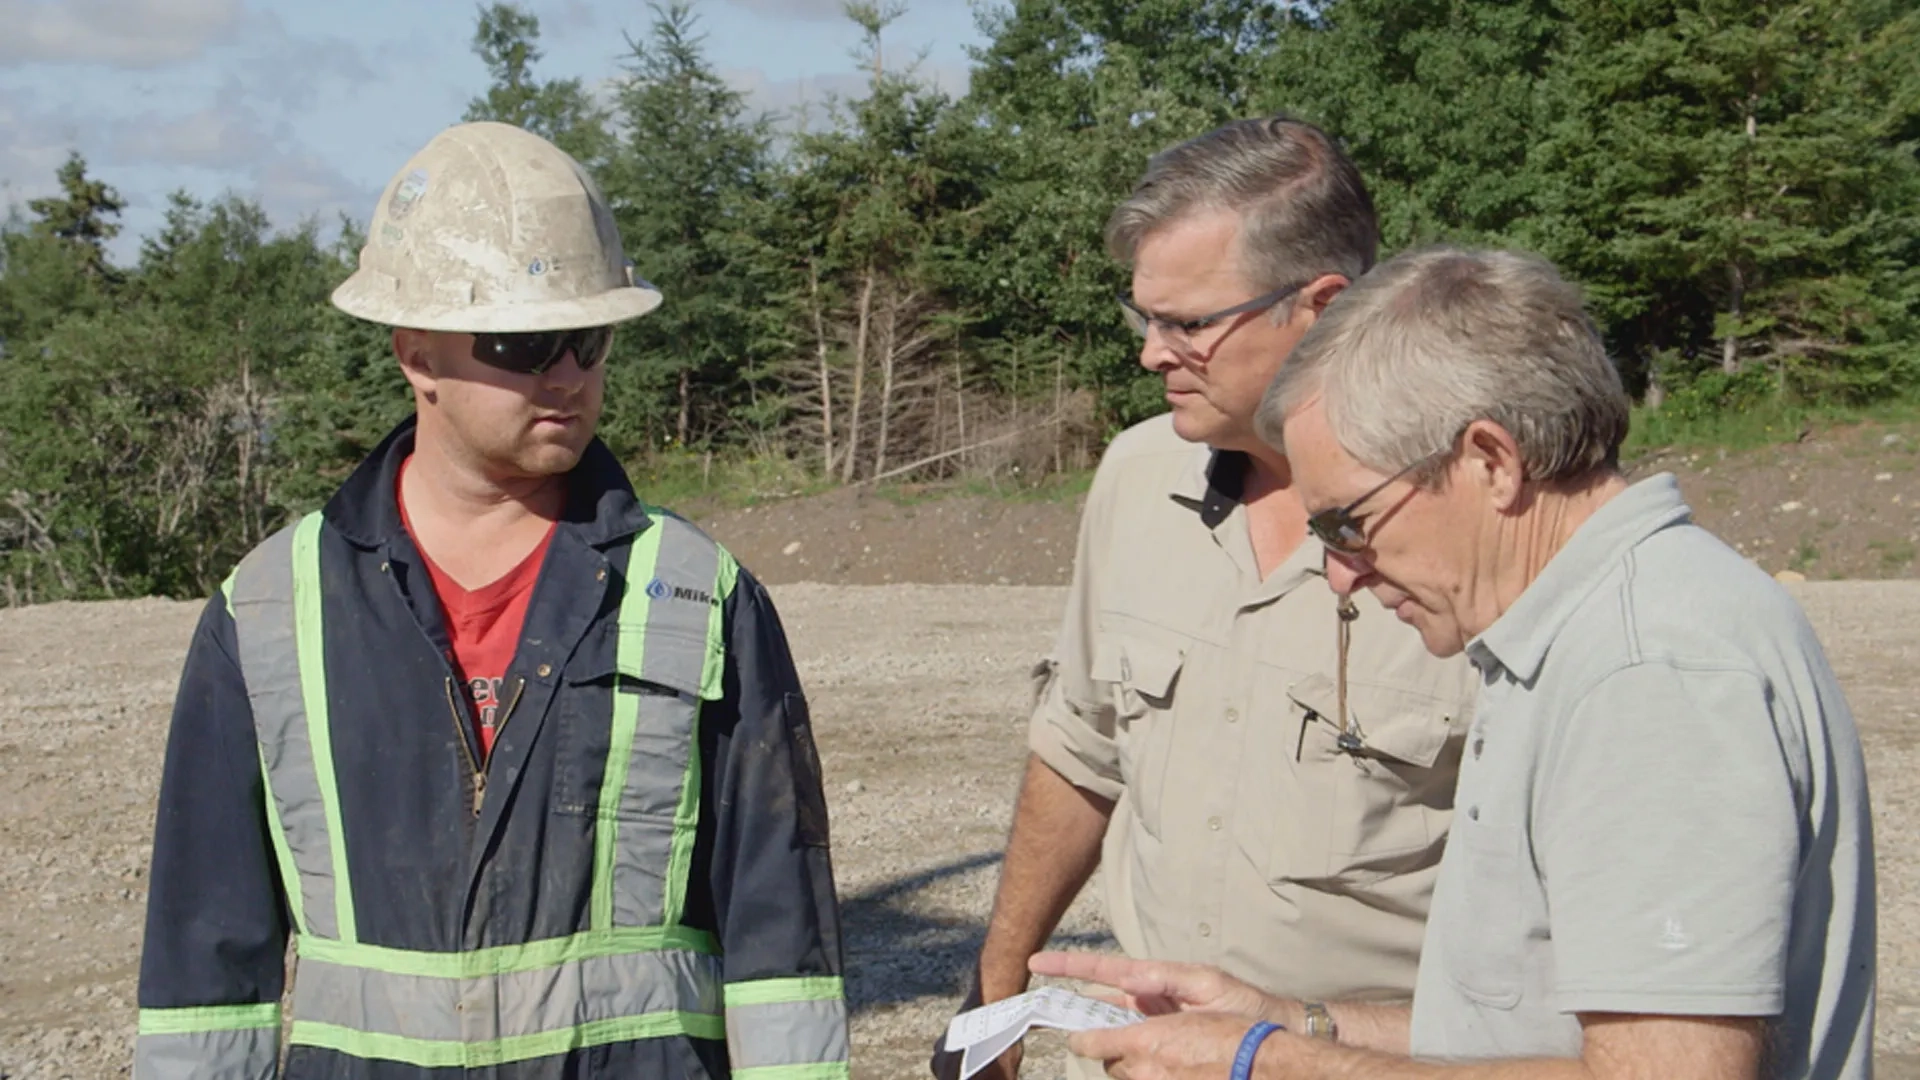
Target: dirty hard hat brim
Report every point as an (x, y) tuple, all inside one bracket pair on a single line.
[(366, 296)]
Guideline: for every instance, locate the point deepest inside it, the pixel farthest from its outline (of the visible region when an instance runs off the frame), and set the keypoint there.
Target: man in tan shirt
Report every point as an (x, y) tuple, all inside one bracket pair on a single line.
[(1254, 803)]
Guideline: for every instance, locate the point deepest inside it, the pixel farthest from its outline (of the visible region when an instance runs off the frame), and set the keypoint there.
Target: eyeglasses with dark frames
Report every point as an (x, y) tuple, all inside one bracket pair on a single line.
[(1179, 332)]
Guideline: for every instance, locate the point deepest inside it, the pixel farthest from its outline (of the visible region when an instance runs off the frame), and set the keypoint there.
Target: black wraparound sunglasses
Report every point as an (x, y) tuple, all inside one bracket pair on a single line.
[(536, 353)]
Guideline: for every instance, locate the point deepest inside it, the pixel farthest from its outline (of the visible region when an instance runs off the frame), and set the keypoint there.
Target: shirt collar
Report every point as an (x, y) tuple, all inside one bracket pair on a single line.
[(600, 503), (1519, 639), (1212, 483)]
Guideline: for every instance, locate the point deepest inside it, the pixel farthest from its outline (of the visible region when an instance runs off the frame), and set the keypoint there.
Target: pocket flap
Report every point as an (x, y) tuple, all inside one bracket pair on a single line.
[(1146, 667), (1400, 724), (665, 658)]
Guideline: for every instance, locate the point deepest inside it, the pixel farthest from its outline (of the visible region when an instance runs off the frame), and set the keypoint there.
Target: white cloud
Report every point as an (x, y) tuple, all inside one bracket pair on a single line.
[(219, 137), (806, 101), (292, 186), (834, 9), (561, 19), (260, 160), (222, 146), (604, 92), (794, 9), (281, 69), (792, 101), (33, 145), (118, 33)]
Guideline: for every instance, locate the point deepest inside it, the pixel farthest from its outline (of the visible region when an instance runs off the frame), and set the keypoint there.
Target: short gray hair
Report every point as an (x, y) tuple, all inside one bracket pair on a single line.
[(1433, 340), (1304, 209)]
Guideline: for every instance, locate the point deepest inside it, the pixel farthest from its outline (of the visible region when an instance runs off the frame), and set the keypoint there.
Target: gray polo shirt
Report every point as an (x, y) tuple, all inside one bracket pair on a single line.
[(1662, 809)]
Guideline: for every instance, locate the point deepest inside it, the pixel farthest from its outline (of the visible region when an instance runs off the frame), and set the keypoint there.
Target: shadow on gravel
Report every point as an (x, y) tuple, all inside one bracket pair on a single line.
[(895, 955)]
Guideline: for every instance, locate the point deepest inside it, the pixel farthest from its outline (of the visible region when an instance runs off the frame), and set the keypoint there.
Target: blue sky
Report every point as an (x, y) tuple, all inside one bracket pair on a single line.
[(310, 107)]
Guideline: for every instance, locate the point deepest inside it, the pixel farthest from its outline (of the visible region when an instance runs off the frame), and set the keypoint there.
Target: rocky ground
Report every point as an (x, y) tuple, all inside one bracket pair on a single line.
[(917, 695), (914, 614)]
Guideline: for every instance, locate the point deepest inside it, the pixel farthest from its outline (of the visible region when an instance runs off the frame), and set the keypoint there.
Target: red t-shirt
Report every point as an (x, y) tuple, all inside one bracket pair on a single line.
[(484, 625)]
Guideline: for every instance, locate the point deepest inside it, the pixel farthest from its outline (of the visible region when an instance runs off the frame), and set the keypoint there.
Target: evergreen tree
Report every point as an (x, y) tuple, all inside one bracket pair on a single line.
[(689, 163), (507, 40), (1725, 178)]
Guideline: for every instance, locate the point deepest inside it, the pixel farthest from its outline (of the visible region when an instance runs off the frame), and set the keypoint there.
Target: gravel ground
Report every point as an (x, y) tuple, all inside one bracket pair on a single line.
[(917, 695)]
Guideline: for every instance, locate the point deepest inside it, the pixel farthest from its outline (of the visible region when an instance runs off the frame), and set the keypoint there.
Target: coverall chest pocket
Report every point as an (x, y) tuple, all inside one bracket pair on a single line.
[(1144, 674), (1360, 809), (627, 725)]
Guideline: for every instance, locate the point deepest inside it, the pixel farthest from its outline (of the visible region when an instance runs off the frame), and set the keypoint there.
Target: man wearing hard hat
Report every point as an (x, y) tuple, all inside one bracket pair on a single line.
[(520, 764)]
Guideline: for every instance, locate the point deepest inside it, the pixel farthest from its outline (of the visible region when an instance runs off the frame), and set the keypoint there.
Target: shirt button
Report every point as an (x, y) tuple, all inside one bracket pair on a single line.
[(1213, 823), (1233, 716), (1473, 812), (545, 670), (1479, 745), (1206, 930)]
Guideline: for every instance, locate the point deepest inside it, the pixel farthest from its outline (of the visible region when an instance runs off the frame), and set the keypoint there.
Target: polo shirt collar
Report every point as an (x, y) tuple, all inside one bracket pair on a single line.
[(1519, 639)]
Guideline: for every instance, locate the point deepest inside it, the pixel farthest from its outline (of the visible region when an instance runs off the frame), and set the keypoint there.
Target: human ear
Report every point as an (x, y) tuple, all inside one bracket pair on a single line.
[(1492, 459)]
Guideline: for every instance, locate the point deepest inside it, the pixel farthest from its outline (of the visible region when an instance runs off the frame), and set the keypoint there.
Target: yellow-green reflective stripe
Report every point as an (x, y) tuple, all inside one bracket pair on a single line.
[(511, 1005), (309, 634), (434, 1054), (792, 1030), (289, 875), (779, 991), (713, 677), (829, 1070), (686, 817), (634, 604), (202, 1018), (503, 959), (268, 635), (686, 826), (282, 854)]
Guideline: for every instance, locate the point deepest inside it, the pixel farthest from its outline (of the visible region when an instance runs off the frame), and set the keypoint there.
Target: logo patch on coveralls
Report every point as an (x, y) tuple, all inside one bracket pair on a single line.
[(660, 590)]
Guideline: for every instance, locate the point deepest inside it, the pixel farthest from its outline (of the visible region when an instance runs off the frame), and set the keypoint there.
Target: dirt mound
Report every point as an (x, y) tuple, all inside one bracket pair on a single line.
[(858, 537), (1840, 503)]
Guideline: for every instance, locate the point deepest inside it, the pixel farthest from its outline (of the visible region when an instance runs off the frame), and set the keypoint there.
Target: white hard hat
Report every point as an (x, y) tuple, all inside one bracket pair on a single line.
[(492, 229)]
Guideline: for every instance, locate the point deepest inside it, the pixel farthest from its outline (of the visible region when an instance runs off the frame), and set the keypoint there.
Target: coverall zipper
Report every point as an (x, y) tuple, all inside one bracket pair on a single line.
[(479, 770)]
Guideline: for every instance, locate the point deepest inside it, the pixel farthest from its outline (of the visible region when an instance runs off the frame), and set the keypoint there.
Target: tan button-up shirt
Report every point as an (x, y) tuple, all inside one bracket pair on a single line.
[(1204, 700)]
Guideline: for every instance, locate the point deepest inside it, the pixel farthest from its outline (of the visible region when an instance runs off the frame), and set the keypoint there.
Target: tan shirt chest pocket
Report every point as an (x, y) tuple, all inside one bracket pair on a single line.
[(1144, 674), (1366, 809)]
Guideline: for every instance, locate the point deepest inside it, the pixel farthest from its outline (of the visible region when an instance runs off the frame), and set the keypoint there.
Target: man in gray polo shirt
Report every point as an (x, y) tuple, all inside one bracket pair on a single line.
[(1662, 863)]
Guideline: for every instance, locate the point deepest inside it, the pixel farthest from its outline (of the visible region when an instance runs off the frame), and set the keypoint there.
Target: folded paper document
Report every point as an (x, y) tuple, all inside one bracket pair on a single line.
[(985, 1033)]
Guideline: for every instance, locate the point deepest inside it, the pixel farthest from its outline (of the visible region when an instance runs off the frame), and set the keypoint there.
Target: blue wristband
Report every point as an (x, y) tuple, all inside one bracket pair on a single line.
[(1249, 1047)]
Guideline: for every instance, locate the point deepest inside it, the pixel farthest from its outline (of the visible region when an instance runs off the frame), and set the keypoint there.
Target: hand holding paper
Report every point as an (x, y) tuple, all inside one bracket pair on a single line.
[(985, 1033)]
